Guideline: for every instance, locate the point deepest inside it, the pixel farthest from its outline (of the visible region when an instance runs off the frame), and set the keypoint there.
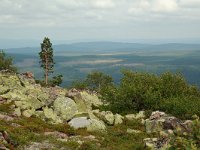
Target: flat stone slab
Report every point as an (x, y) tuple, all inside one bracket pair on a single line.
[(80, 122)]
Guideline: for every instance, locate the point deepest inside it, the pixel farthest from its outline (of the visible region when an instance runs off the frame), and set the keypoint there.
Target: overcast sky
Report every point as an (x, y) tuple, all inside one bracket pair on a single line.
[(108, 20)]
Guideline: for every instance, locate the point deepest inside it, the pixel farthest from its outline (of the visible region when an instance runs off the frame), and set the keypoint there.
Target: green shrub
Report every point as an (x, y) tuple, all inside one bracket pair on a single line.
[(6, 63), (142, 91), (80, 85), (55, 81)]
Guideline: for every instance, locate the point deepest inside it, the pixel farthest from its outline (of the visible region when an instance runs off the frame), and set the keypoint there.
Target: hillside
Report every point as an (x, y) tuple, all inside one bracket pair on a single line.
[(33, 117), (75, 61)]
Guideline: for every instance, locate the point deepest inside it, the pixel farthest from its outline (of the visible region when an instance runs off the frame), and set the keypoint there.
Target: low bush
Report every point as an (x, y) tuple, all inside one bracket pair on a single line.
[(143, 91)]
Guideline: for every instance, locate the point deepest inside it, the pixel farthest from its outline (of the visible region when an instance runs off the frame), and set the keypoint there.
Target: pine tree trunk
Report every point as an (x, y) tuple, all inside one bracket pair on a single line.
[(46, 70)]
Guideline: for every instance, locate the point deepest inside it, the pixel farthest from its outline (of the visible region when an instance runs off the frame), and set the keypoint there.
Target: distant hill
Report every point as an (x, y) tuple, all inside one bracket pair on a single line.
[(90, 47)]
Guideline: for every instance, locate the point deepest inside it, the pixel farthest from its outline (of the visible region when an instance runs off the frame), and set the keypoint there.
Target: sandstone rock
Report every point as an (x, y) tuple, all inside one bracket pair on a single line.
[(64, 107), (96, 125), (81, 122)]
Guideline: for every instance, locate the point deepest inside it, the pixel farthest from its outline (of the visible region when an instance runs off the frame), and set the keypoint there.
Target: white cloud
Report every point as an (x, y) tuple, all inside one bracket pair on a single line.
[(154, 6), (165, 5), (103, 3), (95, 17)]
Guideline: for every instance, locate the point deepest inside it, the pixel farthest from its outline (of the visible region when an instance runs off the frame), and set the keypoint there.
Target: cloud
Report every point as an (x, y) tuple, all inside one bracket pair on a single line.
[(154, 6), (190, 3), (104, 4), (96, 18)]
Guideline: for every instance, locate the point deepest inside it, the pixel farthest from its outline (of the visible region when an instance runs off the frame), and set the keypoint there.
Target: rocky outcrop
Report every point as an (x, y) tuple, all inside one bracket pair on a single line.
[(54, 104), (159, 121)]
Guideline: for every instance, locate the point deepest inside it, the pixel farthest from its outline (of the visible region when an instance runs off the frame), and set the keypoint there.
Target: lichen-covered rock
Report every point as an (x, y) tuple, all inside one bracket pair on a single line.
[(81, 122), (159, 121), (157, 115), (139, 115), (154, 125), (106, 116), (28, 113), (118, 119), (84, 99), (96, 125), (17, 112), (51, 115), (91, 99), (64, 107)]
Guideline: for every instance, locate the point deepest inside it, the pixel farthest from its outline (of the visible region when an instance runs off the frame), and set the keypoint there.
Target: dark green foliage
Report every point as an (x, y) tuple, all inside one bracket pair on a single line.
[(46, 57), (95, 81), (81, 85), (6, 63), (142, 91), (56, 80)]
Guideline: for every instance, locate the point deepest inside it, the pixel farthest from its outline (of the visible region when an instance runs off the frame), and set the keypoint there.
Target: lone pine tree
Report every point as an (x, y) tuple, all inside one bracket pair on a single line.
[(46, 58)]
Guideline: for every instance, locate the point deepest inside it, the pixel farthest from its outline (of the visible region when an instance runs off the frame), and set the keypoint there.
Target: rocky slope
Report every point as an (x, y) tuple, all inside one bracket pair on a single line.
[(23, 102)]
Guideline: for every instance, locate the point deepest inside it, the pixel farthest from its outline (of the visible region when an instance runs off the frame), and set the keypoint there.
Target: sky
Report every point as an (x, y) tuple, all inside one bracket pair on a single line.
[(99, 20)]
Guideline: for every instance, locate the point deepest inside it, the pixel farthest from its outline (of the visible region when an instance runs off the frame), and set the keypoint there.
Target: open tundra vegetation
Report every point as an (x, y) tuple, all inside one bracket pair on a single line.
[(140, 111)]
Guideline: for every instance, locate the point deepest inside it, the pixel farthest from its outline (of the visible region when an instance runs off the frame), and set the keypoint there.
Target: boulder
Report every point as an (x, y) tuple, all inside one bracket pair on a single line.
[(154, 125), (81, 122), (140, 115), (84, 99), (64, 107), (17, 112), (157, 115), (150, 143), (159, 121), (106, 116), (96, 125), (118, 119), (51, 115), (28, 113)]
